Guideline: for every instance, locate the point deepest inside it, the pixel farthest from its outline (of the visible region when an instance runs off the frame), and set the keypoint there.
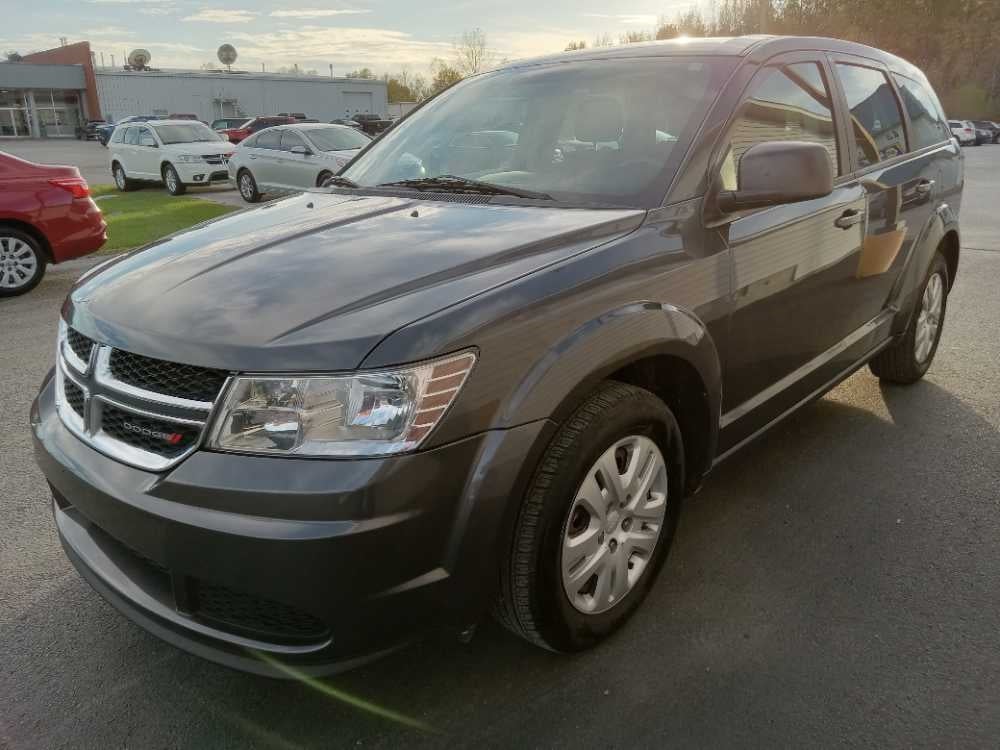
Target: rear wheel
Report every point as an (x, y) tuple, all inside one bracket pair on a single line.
[(597, 521), (122, 182), (248, 186), (908, 360), (173, 180), (22, 262)]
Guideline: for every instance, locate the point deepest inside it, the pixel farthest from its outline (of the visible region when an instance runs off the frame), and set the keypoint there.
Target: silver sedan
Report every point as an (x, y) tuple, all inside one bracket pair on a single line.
[(290, 158)]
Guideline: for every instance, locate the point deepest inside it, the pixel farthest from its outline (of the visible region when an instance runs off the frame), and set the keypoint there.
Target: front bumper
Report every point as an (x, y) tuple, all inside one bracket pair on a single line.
[(195, 173), (316, 564)]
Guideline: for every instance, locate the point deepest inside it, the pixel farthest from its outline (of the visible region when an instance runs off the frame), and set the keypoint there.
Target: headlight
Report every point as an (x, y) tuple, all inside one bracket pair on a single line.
[(188, 158), (364, 414)]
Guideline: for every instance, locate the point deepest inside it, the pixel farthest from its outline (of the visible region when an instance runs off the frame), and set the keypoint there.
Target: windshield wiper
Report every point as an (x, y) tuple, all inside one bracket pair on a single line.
[(449, 183), (338, 181)]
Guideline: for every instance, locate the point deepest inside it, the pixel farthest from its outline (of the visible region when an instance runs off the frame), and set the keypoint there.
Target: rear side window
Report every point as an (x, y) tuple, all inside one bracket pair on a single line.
[(132, 136), (787, 103), (927, 124), (268, 139), (875, 115)]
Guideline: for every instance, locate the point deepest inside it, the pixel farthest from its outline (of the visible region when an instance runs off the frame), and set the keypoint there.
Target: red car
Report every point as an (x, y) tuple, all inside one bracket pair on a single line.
[(46, 216), (235, 135)]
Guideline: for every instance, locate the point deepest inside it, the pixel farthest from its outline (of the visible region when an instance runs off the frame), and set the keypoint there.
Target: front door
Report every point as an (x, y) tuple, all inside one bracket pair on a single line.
[(796, 303), (265, 156), (295, 171)]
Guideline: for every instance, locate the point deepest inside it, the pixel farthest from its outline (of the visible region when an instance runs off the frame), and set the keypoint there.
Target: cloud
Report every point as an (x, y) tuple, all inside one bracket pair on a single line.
[(639, 19), (220, 15), (345, 48), (154, 11), (315, 12), (128, 2)]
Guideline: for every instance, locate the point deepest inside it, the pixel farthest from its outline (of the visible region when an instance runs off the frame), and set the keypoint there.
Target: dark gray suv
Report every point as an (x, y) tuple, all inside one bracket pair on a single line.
[(482, 368)]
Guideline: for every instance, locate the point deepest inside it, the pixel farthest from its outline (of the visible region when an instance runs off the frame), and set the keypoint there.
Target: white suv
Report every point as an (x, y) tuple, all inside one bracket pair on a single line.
[(176, 152)]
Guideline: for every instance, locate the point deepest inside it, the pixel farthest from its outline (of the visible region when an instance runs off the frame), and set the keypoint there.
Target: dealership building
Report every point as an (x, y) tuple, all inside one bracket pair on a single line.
[(52, 93)]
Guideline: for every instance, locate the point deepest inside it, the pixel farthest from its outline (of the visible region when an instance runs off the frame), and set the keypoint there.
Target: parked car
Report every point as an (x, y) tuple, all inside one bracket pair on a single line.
[(299, 435), (289, 158), (91, 130), (178, 153), (371, 124), (987, 131), (226, 123), (46, 216), (104, 131), (300, 116), (183, 116), (255, 125), (964, 131), (349, 123)]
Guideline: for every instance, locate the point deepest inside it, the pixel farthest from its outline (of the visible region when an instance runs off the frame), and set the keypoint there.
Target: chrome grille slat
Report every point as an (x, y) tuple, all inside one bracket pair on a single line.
[(144, 428)]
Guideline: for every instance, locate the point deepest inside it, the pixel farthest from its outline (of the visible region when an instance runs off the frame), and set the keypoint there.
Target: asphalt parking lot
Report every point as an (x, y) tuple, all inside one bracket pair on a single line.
[(835, 584)]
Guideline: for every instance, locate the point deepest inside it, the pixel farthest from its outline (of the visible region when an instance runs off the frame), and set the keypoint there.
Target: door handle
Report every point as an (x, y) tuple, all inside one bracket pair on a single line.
[(848, 219), (924, 187), (252, 156)]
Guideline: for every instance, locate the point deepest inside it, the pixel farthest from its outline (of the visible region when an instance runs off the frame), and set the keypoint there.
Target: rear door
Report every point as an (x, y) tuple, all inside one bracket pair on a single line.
[(796, 303), (128, 151), (899, 144), (266, 156), (295, 171)]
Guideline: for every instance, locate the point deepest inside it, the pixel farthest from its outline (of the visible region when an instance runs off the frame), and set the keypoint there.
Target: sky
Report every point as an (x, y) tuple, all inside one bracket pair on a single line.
[(384, 35)]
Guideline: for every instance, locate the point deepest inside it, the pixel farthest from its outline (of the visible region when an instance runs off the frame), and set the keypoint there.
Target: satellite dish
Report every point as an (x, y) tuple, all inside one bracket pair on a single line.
[(139, 58), (227, 54)]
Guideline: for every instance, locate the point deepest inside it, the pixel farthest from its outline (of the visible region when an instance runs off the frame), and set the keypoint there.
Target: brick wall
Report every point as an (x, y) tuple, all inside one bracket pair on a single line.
[(74, 54)]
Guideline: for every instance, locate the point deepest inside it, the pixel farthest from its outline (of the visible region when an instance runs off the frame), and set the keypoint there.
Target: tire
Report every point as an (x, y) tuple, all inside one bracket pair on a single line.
[(22, 262), (173, 180), (537, 599), (907, 360), (122, 181), (247, 186), (323, 177)]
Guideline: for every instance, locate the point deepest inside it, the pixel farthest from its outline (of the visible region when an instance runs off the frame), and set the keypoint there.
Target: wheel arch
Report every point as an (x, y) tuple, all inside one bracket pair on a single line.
[(32, 231)]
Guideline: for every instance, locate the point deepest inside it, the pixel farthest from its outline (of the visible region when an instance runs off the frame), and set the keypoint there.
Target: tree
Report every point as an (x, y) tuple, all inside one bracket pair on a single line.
[(472, 54), (444, 75), (576, 45), (604, 40), (13, 56), (403, 87), (365, 73), (631, 37)]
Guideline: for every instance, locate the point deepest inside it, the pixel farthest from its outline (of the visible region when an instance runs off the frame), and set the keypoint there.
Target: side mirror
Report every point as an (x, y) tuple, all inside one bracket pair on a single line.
[(777, 172), (301, 150)]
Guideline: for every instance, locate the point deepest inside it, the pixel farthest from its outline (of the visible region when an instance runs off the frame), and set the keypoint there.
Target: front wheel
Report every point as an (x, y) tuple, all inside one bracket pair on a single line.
[(596, 523), (22, 262), (908, 360), (173, 181)]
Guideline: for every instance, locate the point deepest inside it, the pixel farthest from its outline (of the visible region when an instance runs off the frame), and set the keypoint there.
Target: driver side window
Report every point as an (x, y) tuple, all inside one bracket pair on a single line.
[(789, 102)]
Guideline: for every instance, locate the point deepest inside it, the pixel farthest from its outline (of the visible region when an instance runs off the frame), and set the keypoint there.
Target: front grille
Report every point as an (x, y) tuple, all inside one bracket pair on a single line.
[(219, 175), (212, 158), (168, 378), (74, 396), (80, 345), (162, 437), (255, 616)]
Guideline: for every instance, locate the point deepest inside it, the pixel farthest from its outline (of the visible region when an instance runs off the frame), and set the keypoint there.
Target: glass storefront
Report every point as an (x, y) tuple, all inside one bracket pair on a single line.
[(56, 113)]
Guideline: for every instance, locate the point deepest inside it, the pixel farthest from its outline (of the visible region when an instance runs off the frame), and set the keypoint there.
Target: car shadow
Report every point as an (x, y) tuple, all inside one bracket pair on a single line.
[(800, 560)]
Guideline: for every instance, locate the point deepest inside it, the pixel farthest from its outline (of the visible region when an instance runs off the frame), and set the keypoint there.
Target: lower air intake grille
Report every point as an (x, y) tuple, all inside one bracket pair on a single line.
[(255, 616), (168, 378), (74, 396), (159, 436)]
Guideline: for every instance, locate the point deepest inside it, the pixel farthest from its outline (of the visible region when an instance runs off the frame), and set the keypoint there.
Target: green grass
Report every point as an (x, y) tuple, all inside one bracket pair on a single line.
[(141, 216)]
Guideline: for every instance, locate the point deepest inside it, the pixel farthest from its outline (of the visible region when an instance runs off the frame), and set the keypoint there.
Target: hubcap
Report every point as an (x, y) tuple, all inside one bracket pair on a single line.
[(246, 187), (929, 318), (614, 524), (171, 180), (18, 263), (120, 178)]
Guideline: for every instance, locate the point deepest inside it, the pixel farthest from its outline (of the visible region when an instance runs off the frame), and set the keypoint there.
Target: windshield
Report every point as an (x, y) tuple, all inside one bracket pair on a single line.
[(611, 131), (194, 132), (337, 139)]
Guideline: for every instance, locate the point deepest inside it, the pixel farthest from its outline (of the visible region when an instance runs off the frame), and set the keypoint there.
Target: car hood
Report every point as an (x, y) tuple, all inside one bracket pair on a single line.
[(315, 281)]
